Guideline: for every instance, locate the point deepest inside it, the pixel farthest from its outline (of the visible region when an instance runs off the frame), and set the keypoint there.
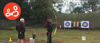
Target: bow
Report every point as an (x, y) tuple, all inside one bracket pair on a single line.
[(56, 23)]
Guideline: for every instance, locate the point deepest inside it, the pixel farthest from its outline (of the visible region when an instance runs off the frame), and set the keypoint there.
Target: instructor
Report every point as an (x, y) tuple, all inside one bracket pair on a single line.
[(21, 30)]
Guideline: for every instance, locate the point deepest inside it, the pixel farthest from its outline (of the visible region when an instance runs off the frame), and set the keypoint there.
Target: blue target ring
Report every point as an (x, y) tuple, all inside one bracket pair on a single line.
[(67, 24), (84, 24)]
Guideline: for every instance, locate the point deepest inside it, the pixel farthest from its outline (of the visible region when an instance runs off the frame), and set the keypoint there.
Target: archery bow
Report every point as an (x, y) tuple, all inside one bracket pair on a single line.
[(56, 23)]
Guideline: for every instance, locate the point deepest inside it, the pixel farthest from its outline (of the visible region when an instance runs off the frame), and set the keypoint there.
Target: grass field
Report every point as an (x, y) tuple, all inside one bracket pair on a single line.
[(67, 36)]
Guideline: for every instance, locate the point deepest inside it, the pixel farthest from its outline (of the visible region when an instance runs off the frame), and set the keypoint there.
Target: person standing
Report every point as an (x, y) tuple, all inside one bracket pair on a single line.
[(49, 26), (20, 27)]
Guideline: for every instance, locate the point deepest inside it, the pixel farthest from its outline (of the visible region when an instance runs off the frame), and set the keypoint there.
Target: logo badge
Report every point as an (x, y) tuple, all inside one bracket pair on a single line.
[(12, 11)]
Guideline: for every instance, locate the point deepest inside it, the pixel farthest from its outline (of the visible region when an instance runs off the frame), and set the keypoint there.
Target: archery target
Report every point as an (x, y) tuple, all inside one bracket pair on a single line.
[(84, 24), (67, 24)]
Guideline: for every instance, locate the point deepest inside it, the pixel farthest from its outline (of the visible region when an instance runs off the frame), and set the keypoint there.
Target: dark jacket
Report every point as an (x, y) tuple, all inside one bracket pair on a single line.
[(49, 27), (20, 27)]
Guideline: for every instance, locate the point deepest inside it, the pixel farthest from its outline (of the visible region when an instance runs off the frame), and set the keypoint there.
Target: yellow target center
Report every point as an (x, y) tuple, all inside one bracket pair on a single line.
[(84, 24), (67, 24)]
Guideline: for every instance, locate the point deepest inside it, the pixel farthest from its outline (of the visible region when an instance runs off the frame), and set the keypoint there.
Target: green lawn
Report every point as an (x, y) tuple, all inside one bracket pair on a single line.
[(67, 36)]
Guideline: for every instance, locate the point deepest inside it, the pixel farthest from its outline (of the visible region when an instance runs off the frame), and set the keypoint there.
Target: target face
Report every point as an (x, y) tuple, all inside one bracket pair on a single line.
[(67, 24), (84, 24)]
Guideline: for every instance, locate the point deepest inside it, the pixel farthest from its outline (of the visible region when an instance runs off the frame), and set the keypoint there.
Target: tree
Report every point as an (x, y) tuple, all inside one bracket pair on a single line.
[(38, 13), (78, 10), (93, 4), (86, 6), (2, 4), (25, 8), (40, 10)]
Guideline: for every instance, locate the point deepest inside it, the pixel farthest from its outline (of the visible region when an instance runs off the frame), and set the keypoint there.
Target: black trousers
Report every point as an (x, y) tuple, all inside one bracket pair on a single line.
[(49, 40)]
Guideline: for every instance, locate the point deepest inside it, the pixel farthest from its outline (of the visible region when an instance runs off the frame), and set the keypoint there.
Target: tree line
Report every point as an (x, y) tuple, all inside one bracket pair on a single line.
[(36, 10), (92, 4)]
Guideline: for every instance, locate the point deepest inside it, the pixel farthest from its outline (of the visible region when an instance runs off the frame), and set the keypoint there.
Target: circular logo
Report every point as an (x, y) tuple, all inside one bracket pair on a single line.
[(85, 24), (67, 24), (12, 11)]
